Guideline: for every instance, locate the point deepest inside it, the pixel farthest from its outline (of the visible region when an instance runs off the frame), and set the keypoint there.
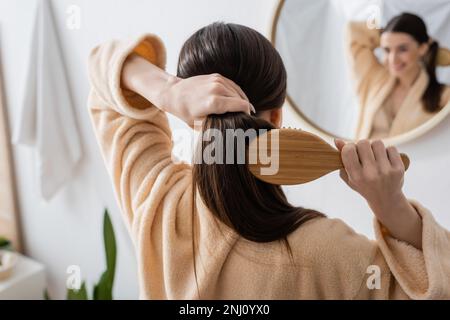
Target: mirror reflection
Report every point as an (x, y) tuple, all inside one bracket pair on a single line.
[(362, 70)]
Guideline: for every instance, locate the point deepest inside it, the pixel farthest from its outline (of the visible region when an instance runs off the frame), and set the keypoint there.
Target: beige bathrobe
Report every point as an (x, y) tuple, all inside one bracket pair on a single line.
[(374, 85), (154, 193)]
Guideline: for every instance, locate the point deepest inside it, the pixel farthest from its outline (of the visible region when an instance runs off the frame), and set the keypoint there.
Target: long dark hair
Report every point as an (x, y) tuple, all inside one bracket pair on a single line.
[(256, 210), (414, 26)]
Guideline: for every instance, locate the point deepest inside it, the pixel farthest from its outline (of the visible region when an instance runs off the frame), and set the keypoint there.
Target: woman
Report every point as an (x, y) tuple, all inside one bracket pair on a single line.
[(213, 231), (402, 92)]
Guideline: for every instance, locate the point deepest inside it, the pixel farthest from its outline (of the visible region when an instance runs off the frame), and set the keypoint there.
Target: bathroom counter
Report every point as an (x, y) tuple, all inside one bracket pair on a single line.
[(27, 281)]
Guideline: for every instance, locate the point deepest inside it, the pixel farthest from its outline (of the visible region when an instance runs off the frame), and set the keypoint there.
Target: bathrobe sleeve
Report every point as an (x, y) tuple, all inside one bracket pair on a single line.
[(366, 69), (387, 268), (134, 137), (420, 274)]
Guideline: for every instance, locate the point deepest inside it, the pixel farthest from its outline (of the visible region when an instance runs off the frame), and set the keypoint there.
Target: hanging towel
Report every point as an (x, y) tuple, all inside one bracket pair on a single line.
[(47, 120)]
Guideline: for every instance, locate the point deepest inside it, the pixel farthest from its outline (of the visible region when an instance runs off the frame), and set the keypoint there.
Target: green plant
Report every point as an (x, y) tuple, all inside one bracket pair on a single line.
[(5, 243), (103, 289)]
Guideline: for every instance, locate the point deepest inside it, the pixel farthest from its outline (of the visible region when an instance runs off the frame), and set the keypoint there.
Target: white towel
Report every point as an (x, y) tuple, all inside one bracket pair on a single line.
[(47, 120)]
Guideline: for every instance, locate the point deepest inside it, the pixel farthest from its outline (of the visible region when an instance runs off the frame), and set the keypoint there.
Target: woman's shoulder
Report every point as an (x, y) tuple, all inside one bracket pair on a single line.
[(322, 239)]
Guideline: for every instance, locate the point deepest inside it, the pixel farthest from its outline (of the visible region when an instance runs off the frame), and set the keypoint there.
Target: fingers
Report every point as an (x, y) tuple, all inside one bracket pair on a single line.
[(350, 158), (344, 176), (231, 84), (372, 170), (238, 89), (219, 88), (231, 104), (339, 143), (395, 159), (218, 78), (365, 153), (232, 90), (381, 156)]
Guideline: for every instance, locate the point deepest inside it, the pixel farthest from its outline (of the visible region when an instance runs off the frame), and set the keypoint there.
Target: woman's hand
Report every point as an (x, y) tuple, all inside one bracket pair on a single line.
[(372, 170), (377, 173), (194, 98), (190, 99)]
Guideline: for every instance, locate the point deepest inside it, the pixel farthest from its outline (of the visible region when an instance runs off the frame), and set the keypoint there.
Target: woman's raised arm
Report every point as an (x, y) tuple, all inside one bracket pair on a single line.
[(361, 43)]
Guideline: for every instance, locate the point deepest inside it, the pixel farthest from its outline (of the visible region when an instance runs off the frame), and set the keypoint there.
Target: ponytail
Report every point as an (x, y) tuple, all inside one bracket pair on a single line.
[(256, 210), (432, 96)]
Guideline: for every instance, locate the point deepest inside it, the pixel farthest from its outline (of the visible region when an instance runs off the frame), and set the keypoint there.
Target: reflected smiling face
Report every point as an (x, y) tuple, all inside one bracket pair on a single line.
[(402, 53)]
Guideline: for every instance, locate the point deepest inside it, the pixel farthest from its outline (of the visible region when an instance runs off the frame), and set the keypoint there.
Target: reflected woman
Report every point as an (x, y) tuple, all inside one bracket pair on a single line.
[(401, 92)]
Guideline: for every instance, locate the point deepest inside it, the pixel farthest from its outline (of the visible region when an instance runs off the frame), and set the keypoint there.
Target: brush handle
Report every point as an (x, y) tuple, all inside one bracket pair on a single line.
[(405, 160)]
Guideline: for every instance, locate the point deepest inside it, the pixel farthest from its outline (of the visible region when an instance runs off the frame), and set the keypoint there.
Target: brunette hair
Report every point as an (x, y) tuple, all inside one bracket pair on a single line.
[(256, 210)]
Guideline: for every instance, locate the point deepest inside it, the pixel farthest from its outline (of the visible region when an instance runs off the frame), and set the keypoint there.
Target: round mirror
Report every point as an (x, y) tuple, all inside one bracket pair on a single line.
[(348, 77)]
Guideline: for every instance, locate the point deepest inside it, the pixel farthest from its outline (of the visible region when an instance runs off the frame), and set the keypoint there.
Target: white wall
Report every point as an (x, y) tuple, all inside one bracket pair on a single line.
[(68, 229)]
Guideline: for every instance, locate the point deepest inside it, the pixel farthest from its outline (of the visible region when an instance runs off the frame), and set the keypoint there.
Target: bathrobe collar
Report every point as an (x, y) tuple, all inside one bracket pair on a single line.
[(412, 101)]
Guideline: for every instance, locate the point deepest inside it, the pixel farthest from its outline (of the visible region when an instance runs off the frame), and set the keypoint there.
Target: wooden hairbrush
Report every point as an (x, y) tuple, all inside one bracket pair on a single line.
[(302, 157)]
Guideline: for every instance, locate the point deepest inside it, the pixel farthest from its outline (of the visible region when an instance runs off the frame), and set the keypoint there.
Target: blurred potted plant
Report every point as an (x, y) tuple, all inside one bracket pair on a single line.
[(103, 289), (8, 259), (5, 244)]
